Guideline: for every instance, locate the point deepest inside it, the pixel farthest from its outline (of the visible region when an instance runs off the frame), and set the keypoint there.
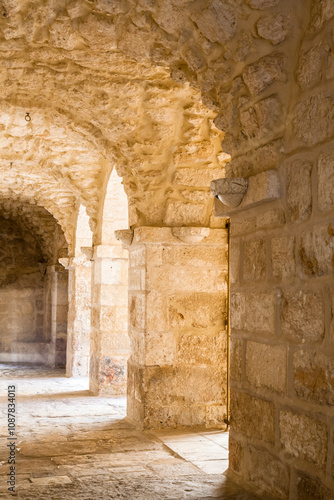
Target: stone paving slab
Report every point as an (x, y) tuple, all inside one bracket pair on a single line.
[(72, 445)]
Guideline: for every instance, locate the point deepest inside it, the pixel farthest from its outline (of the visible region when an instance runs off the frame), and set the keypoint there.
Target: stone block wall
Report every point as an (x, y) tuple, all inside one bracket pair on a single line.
[(177, 327), (22, 303), (282, 309)]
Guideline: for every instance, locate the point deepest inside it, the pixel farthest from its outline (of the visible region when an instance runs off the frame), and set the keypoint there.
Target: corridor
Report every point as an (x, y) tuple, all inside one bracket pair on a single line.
[(74, 445)]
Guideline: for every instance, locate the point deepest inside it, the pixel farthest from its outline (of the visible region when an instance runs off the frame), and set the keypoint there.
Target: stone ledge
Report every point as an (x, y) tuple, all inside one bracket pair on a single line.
[(261, 187), (179, 235)]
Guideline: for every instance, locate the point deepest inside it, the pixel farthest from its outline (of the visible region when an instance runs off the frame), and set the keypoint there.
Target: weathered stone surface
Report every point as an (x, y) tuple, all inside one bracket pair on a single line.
[(304, 437), (236, 355), (254, 260), (258, 421), (302, 315), (266, 71), (253, 312), (273, 28), (299, 191), (316, 251), (310, 65), (266, 366), (314, 377), (311, 487), (261, 117), (283, 262), (267, 472), (314, 121), (326, 181)]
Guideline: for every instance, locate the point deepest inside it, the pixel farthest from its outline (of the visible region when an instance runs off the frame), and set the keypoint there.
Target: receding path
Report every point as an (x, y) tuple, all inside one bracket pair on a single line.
[(74, 445)]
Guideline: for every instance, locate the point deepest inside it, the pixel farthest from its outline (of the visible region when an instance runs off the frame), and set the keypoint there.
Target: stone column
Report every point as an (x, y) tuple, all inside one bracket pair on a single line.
[(109, 336), (56, 315), (177, 326), (79, 317)]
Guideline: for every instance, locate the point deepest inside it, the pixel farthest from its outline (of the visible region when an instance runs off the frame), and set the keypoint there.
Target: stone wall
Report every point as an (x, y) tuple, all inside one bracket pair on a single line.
[(22, 303), (177, 327), (282, 265)]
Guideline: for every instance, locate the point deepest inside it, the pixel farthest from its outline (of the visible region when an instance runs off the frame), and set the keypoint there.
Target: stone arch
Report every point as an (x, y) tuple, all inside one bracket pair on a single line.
[(33, 285)]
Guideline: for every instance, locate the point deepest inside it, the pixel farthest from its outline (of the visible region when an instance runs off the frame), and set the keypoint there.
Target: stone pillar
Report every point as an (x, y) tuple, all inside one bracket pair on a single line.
[(79, 317), (109, 336), (177, 373), (56, 314)]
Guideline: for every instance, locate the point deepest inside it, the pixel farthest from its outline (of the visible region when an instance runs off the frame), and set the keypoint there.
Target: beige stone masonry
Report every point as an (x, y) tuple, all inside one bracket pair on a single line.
[(177, 327)]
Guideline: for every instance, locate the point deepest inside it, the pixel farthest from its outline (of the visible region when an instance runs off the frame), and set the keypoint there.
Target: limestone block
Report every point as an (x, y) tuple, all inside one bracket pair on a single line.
[(110, 295), (182, 386), (299, 191), (178, 213), (236, 356), (217, 23), (267, 472), (273, 28), (326, 181), (252, 416), (266, 366), (195, 349), (304, 437), (313, 377), (159, 348), (137, 256), (316, 251), (201, 177), (260, 118), (185, 279), (253, 312), (264, 72), (236, 452), (234, 260), (283, 262), (156, 312), (197, 256), (196, 311), (310, 66), (270, 218), (137, 277), (254, 260), (312, 111), (137, 310), (261, 4), (311, 487), (302, 315), (107, 318)]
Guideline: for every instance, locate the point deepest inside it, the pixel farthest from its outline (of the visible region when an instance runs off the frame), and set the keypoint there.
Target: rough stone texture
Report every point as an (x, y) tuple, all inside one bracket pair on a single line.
[(177, 370), (283, 260), (302, 315), (316, 250), (314, 377), (254, 312), (259, 420), (299, 194), (127, 85), (254, 260), (267, 473), (325, 181), (303, 437), (266, 366)]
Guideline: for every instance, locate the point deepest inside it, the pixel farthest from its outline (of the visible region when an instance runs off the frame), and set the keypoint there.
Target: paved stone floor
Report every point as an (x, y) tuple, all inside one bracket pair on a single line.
[(73, 445)]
